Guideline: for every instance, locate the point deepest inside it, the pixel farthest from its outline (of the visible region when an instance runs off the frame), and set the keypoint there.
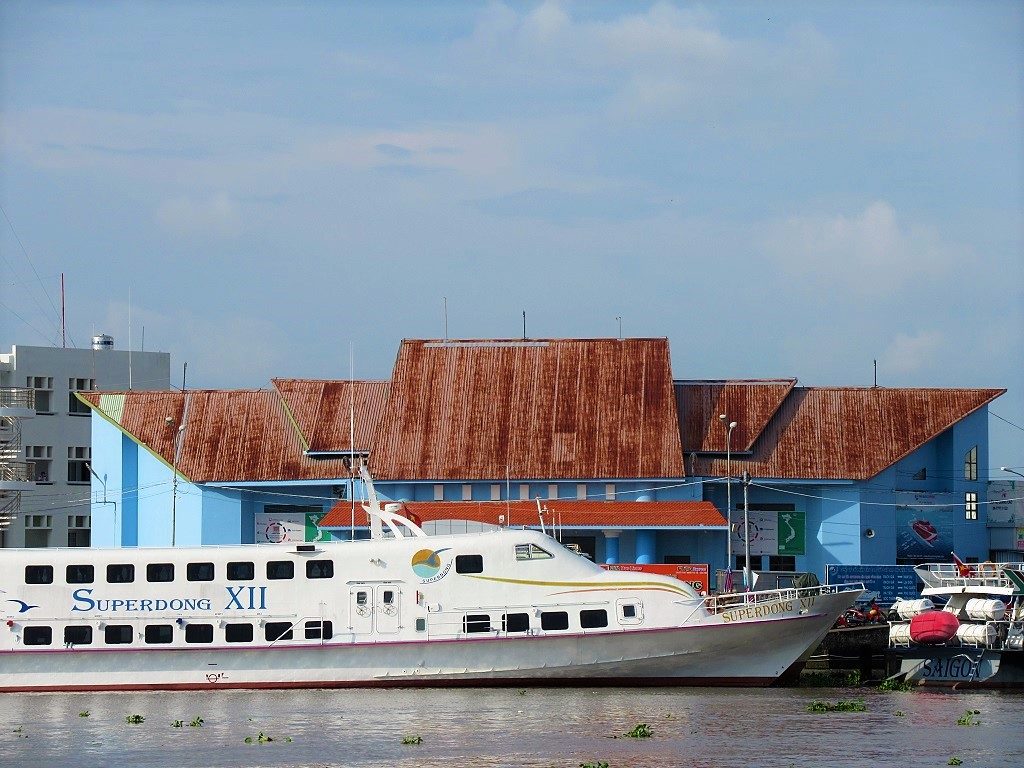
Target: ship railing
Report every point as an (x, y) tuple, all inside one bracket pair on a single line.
[(985, 574), (716, 603)]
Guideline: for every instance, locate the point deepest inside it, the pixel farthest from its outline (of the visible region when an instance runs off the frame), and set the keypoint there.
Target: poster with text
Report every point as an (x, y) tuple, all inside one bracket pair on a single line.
[(1006, 501), (288, 527), (924, 525), (771, 533)]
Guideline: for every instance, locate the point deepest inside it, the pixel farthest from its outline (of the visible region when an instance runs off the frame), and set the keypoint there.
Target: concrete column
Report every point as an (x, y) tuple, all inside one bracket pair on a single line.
[(645, 547), (611, 547)]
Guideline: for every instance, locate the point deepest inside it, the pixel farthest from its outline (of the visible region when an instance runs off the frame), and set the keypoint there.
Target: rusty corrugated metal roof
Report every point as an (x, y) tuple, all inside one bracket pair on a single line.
[(849, 433), (324, 411), (750, 403), (566, 512), (555, 408), (229, 436)]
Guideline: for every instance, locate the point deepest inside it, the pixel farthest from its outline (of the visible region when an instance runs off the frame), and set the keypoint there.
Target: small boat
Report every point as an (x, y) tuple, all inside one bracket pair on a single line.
[(403, 608), (974, 640), (924, 530)]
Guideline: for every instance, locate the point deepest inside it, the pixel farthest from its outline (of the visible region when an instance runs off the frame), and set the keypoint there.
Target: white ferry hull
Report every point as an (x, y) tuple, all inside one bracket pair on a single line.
[(742, 651)]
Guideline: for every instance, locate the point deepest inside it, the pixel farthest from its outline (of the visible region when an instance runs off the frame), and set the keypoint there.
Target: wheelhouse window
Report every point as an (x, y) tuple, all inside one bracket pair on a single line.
[(79, 574), (971, 505), (77, 635), (242, 571), (594, 619), (550, 620), (280, 569), (118, 634), (277, 630), (159, 634), (199, 633), (469, 563), (971, 464), (39, 574), (199, 571), (37, 636), (238, 633), (531, 552), (160, 572), (120, 573), (318, 630), (476, 622), (319, 569), (515, 622)]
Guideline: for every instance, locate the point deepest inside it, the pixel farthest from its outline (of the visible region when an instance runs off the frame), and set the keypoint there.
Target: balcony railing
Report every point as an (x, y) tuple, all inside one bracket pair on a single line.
[(17, 472), (17, 397)]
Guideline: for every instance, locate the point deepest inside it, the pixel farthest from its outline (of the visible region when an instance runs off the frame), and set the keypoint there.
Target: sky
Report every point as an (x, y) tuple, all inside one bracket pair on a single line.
[(275, 189)]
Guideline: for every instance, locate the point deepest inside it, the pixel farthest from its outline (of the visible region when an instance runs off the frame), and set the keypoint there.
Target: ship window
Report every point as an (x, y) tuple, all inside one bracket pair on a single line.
[(118, 634), (160, 572), (120, 573), (319, 630), (629, 611), (554, 620), (594, 619), (199, 633), (77, 635), (278, 630), (241, 572), (280, 569), (476, 622), (199, 572), (39, 574), (158, 634), (319, 569), (37, 636), (531, 552), (389, 597), (79, 574), (361, 598), (516, 622), (421, 625), (469, 564), (238, 633)]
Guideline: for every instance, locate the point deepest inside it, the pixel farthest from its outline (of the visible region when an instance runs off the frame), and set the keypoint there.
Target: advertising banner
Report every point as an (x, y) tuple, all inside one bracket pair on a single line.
[(1006, 501), (288, 527), (924, 524), (694, 574), (771, 533)]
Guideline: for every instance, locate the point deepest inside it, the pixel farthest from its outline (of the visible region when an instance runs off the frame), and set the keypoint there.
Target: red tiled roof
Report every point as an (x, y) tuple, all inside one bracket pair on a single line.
[(557, 408), (229, 436), (326, 411), (849, 433), (566, 512), (749, 403)]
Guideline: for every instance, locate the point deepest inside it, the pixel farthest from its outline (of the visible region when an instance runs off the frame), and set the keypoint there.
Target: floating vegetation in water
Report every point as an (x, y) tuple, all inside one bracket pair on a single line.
[(967, 718), (898, 713), (84, 713), (197, 722), (891, 684), (641, 731), (522, 691), (955, 761), (20, 731), (135, 719), (263, 738), (840, 706), (412, 739), (594, 764), (177, 723)]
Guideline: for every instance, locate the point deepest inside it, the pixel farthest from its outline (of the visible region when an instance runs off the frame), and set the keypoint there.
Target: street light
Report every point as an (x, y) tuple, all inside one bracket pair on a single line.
[(1011, 471), (729, 426), (174, 482)]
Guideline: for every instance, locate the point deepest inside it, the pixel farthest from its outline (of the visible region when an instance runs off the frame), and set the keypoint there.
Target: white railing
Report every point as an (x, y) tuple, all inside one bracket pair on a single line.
[(11, 397)]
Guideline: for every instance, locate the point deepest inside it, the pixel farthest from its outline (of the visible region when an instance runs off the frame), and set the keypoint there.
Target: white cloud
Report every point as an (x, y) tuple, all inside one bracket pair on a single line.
[(871, 252), (909, 354), (218, 215)]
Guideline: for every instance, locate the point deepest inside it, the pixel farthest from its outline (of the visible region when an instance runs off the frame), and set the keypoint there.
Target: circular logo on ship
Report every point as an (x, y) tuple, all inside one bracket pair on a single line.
[(426, 563)]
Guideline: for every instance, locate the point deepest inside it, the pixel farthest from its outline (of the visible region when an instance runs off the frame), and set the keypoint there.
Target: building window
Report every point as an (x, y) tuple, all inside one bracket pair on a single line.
[(41, 459), (971, 464), (552, 491), (78, 461), (79, 534), (970, 505), (609, 491), (37, 530), (581, 490), (43, 386), (495, 492), (781, 563), (438, 492), (524, 491), (75, 406), (467, 492)]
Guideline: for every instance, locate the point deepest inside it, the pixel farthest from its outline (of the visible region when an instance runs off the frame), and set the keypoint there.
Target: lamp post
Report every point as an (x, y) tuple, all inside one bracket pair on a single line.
[(1011, 471), (746, 533), (174, 478), (729, 427)]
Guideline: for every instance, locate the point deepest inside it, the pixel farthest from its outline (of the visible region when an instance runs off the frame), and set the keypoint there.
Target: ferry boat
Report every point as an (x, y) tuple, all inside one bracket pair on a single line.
[(966, 629), (403, 608)]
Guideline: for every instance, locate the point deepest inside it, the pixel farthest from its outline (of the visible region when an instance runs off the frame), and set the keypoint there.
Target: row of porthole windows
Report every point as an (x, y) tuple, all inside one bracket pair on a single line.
[(124, 573), (591, 618), (161, 634)]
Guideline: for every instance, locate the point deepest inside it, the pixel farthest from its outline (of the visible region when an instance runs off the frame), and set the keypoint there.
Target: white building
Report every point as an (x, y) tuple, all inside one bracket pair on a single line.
[(54, 445)]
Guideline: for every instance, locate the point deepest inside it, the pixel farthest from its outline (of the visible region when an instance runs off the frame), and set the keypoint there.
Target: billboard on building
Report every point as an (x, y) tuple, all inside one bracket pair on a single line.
[(771, 533), (288, 527), (1006, 501), (924, 525)]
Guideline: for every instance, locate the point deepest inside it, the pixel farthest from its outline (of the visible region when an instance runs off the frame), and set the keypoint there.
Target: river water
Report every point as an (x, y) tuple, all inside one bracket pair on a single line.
[(511, 727)]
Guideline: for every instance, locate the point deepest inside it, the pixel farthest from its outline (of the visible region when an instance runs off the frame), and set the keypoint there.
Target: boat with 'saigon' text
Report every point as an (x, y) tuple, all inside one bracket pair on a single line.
[(402, 608)]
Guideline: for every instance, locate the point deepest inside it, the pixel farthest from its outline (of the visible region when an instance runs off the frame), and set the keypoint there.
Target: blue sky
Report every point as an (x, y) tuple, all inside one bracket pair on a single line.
[(782, 189)]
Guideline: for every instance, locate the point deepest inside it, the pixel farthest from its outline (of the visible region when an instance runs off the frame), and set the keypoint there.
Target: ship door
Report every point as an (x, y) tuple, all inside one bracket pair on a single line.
[(360, 606), (387, 608)]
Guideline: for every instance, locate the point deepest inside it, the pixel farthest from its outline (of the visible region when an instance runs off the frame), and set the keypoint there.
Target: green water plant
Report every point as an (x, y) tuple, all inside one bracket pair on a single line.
[(856, 705), (134, 719), (641, 731), (177, 723), (968, 717), (260, 738), (955, 761), (84, 713), (898, 713), (594, 764), (891, 684), (197, 722), (412, 739)]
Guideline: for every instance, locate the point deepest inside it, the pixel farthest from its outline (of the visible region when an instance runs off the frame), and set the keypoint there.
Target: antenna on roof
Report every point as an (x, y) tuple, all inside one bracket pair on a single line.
[(876, 371), (445, 300), (63, 316), (524, 325), (619, 318)]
